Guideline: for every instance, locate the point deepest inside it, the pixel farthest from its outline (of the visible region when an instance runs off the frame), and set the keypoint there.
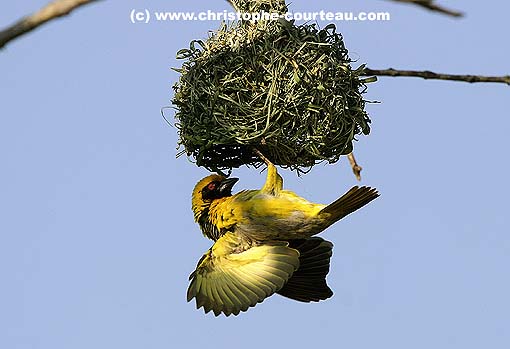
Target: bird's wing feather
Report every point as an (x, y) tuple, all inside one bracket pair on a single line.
[(236, 273), (308, 283)]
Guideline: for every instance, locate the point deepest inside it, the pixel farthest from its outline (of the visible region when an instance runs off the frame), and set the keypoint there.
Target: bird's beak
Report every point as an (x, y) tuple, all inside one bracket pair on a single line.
[(226, 185)]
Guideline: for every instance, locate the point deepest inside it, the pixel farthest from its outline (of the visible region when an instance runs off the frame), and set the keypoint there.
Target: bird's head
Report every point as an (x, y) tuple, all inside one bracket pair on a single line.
[(207, 190)]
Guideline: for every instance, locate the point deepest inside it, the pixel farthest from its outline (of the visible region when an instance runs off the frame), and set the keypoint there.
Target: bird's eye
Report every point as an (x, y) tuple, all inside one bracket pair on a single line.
[(211, 186)]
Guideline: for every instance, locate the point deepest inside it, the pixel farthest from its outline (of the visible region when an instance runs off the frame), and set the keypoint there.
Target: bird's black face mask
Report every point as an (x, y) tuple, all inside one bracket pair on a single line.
[(217, 189)]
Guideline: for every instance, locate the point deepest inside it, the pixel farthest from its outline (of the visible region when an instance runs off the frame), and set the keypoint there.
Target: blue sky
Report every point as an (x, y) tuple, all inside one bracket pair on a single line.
[(97, 238)]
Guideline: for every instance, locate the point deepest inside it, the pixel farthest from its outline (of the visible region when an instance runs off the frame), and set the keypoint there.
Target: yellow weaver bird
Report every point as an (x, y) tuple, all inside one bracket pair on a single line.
[(263, 243)]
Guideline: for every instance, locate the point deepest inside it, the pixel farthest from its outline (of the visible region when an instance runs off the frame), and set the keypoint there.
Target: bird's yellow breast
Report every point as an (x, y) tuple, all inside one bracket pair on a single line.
[(264, 216)]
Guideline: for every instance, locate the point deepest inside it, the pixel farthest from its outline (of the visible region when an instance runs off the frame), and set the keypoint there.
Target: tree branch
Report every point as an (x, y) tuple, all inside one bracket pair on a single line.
[(425, 74), (356, 169), (432, 6), (54, 9)]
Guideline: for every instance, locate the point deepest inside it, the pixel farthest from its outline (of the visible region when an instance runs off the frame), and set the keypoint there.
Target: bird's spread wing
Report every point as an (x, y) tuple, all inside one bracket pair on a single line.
[(236, 273)]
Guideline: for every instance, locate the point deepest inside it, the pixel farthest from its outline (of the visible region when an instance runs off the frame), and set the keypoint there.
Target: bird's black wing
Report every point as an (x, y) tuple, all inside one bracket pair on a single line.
[(308, 283)]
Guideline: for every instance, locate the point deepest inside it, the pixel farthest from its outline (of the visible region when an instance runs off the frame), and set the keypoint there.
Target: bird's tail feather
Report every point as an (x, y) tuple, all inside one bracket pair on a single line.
[(308, 283), (354, 199)]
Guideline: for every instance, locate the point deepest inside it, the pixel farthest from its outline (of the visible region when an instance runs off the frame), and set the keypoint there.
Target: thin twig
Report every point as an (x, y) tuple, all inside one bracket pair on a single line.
[(432, 6), (356, 169), (51, 11), (425, 74)]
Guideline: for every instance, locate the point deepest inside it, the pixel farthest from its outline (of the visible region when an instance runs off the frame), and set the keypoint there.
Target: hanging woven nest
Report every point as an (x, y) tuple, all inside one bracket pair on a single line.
[(287, 90)]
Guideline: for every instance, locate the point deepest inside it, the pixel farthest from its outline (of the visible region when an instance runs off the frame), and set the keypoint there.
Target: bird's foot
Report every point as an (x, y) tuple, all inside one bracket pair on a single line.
[(274, 182)]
